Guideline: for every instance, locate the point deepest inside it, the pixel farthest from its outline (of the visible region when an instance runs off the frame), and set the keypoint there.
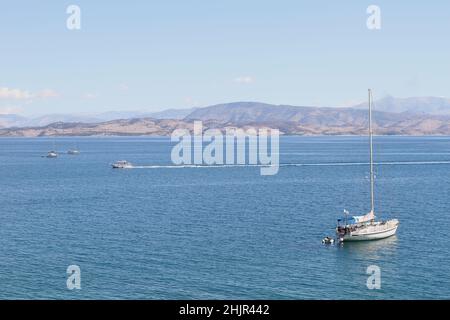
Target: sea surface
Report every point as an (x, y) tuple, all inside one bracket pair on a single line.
[(221, 233)]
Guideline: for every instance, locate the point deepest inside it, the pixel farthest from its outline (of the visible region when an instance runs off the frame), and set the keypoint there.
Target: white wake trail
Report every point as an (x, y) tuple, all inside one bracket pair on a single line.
[(324, 164)]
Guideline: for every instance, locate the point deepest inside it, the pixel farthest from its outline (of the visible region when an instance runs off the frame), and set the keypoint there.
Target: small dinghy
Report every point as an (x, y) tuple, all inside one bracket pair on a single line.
[(328, 240)]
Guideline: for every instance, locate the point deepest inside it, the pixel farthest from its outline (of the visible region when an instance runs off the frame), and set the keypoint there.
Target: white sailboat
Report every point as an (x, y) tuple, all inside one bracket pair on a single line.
[(53, 153), (74, 151), (366, 227)]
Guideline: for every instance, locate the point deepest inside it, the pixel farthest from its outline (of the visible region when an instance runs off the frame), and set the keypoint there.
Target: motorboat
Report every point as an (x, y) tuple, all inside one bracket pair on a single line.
[(52, 154), (122, 164)]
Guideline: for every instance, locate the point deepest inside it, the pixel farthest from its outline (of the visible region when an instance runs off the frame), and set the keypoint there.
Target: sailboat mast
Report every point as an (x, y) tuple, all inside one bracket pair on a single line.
[(371, 154)]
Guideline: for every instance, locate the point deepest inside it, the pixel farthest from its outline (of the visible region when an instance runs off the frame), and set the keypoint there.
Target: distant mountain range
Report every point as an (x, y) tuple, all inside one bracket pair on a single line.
[(421, 105), (411, 116), (12, 120)]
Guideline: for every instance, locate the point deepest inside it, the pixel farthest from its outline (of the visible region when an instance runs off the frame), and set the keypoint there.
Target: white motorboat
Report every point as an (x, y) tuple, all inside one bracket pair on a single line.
[(73, 152), (52, 154), (358, 228), (122, 164)]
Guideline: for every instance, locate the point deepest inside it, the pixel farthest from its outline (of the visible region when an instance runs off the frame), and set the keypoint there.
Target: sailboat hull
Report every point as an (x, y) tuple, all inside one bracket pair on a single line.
[(376, 231)]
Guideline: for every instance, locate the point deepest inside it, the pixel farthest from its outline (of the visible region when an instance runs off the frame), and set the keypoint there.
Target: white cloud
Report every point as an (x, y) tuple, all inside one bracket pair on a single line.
[(47, 93), (90, 96), (18, 94), (10, 110), (123, 87), (244, 80)]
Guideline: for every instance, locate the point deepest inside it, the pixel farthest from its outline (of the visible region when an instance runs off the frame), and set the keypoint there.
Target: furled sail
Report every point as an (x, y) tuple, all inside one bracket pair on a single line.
[(368, 217), (359, 219)]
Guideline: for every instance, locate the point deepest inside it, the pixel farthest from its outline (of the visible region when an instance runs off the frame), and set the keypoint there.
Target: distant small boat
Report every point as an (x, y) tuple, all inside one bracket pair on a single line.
[(122, 164), (52, 154), (328, 240), (73, 152)]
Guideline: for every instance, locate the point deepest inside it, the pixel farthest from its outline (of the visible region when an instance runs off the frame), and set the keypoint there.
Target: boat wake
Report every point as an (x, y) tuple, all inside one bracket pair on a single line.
[(324, 164), (394, 163)]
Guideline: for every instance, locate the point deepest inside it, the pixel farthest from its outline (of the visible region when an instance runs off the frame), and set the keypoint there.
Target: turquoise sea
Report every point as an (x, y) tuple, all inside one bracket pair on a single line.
[(221, 233)]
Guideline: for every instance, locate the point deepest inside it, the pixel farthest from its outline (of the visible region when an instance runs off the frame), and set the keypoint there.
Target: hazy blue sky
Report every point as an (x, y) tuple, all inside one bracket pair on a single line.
[(152, 55)]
